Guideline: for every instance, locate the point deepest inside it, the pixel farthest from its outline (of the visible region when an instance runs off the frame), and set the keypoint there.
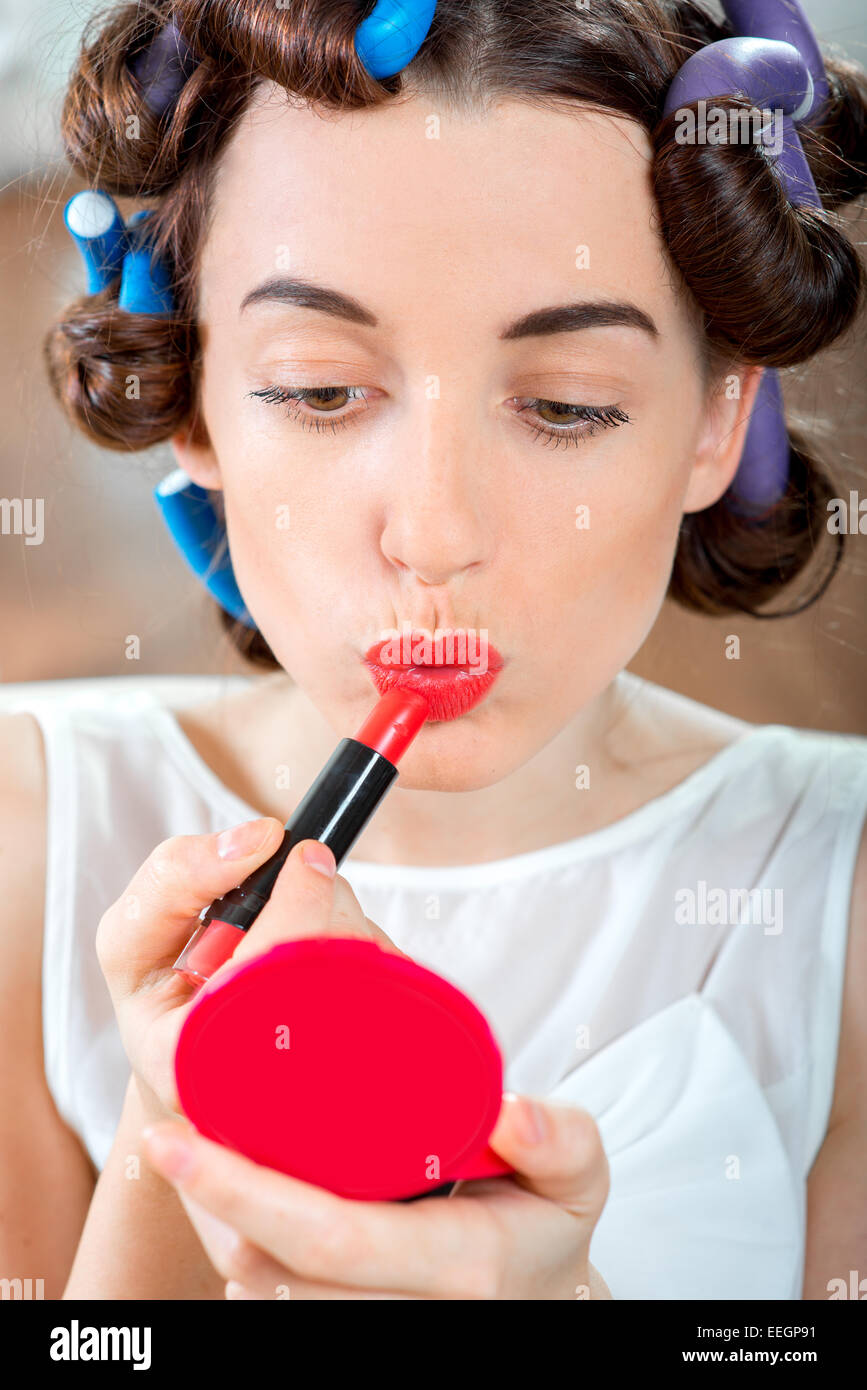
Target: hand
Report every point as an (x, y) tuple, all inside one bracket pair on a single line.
[(522, 1236), (142, 934)]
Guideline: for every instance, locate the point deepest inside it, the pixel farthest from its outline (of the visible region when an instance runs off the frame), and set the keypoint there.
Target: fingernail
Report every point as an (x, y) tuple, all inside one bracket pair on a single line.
[(529, 1121), (236, 1291), (242, 840), (169, 1153), (320, 858)]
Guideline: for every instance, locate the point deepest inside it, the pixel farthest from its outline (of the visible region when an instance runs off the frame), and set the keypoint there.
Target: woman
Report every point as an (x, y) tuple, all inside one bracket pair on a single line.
[(471, 347)]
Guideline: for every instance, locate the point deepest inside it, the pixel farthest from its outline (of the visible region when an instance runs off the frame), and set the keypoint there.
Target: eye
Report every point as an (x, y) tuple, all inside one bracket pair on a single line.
[(562, 422), (569, 424), (304, 403)]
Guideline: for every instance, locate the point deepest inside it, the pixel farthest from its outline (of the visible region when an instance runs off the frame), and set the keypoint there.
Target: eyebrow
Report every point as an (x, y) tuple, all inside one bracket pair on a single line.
[(571, 318), (306, 295), (558, 318)]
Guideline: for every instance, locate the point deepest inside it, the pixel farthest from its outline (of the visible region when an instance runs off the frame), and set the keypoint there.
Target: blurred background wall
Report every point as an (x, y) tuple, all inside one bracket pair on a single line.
[(106, 571)]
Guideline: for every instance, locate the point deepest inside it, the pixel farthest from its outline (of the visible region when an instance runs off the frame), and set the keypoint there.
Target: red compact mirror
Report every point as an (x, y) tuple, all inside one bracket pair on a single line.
[(346, 1066)]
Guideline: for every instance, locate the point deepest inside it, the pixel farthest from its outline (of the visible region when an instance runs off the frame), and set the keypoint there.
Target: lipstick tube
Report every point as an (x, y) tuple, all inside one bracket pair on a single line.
[(335, 810)]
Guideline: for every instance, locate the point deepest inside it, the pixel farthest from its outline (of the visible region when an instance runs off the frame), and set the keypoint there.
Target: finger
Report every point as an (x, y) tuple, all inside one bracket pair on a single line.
[(447, 1250), (301, 901), (347, 915), (145, 929), (348, 918), (384, 941), (305, 902), (565, 1162), (252, 1273), (302, 1290)]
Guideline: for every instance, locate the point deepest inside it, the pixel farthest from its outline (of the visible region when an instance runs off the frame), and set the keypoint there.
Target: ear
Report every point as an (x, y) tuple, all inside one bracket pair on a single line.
[(727, 417), (194, 453)]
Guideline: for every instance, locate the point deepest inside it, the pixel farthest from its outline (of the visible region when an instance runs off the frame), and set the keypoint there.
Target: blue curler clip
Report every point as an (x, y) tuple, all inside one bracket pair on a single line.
[(200, 536), (109, 249), (145, 284), (96, 226), (392, 35), (186, 508)]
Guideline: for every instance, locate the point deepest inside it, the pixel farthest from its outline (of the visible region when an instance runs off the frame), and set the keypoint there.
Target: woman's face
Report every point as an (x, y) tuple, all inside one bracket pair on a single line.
[(434, 485)]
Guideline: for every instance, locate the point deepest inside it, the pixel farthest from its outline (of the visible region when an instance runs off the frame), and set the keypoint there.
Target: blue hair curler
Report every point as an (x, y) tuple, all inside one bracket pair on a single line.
[(108, 249), (392, 35), (96, 226), (186, 508), (200, 536), (145, 283)]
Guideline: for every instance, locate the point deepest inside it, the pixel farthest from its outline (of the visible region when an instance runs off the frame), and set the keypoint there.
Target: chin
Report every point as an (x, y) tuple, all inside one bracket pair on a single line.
[(462, 755)]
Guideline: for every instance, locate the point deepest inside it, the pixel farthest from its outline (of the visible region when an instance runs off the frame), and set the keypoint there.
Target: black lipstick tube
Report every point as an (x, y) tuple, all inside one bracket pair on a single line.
[(334, 811)]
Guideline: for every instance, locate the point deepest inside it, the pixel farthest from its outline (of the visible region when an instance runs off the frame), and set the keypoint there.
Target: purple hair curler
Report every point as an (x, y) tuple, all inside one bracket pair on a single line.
[(776, 64), (786, 21), (163, 68), (770, 74)]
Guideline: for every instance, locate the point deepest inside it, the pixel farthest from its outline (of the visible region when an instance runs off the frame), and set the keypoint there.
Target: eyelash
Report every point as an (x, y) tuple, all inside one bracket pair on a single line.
[(597, 417)]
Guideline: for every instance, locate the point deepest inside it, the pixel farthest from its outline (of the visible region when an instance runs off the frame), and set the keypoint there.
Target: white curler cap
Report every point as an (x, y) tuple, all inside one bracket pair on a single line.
[(90, 214)]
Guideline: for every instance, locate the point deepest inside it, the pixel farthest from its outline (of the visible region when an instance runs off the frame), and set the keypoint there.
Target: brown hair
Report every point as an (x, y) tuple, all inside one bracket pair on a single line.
[(774, 283)]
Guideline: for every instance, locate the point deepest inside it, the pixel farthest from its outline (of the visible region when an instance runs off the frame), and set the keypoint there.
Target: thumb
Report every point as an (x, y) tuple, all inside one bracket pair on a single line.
[(556, 1151), (300, 904)]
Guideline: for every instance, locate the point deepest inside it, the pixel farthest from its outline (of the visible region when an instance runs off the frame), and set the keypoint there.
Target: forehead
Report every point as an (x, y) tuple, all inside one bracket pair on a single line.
[(412, 203)]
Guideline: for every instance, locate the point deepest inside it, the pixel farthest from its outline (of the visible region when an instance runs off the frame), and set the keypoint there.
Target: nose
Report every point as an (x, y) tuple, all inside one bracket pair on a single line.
[(438, 523)]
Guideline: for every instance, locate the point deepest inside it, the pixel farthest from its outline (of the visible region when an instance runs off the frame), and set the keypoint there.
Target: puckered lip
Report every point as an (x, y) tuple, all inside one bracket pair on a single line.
[(450, 688)]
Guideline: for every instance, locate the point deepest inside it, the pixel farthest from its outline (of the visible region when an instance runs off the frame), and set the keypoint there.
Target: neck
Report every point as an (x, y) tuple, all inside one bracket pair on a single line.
[(534, 806)]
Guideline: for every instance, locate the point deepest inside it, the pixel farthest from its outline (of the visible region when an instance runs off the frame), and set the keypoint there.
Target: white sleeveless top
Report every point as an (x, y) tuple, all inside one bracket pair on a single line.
[(626, 971)]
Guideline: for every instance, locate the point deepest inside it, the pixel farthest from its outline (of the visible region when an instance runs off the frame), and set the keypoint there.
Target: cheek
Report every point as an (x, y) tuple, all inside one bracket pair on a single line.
[(303, 562), (598, 545), (294, 537), (295, 557)]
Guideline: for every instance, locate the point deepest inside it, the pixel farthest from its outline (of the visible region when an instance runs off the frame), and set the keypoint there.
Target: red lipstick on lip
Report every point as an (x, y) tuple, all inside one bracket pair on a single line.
[(335, 810), (450, 689)]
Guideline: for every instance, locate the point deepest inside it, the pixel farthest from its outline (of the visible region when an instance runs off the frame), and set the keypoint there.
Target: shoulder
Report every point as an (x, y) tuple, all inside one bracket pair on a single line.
[(22, 813), (665, 733), (22, 875), (21, 747), (46, 1179), (850, 1090), (837, 1187)]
